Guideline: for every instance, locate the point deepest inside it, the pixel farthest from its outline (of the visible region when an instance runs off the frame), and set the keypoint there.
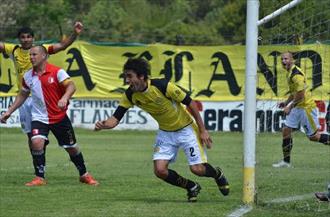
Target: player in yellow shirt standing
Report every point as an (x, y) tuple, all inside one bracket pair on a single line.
[(299, 108), (20, 54), (177, 129)]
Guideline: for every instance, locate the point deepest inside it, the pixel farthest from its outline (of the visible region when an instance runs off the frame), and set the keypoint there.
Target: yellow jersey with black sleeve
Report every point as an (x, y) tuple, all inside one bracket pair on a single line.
[(21, 58), (297, 82), (163, 101)]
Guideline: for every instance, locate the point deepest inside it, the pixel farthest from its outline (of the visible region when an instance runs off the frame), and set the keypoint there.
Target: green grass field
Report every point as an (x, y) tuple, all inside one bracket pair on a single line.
[(121, 162)]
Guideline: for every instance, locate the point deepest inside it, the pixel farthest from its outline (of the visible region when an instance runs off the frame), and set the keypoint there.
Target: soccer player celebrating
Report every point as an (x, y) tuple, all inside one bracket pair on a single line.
[(51, 89), (21, 57), (299, 108), (163, 101)]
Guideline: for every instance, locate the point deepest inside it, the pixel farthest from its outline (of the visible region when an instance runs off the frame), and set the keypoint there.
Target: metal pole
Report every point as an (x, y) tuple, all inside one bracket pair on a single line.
[(250, 101), (279, 12)]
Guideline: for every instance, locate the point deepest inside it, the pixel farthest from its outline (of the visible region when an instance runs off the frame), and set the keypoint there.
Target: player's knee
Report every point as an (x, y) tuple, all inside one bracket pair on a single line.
[(72, 151), (314, 138), (161, 173), (37, 143), (198, 169)]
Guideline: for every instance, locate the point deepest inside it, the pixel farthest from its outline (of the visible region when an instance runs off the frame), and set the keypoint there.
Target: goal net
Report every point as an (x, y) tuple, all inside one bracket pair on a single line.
[(303, 30)]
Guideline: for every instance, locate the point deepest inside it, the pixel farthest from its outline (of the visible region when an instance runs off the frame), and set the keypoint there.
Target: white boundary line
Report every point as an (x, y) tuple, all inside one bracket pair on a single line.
[(290, 199), (245, 209), (240, 211)]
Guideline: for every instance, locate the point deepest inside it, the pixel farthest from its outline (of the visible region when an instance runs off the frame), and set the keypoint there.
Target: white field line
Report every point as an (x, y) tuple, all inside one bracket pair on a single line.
[(292, 198), (240, 211), (245, 209)]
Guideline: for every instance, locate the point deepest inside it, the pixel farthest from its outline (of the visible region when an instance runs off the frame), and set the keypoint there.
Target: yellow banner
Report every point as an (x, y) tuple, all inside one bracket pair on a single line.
[(208, 73)]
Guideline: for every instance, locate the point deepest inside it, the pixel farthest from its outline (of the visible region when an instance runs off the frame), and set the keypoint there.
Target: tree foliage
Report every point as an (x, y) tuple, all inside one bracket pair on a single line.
[(165, 21)]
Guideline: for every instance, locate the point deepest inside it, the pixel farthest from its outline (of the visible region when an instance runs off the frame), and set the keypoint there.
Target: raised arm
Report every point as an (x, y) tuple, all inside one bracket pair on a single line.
[(203, 133), (77, 29)]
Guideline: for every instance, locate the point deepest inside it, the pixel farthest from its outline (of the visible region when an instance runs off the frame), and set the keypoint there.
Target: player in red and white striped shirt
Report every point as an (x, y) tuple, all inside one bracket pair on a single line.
[(51, 89)]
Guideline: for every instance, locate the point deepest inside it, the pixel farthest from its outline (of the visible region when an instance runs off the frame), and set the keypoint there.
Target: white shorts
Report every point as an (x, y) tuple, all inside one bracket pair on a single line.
[(307, 118), (168, 144), (25, 115)]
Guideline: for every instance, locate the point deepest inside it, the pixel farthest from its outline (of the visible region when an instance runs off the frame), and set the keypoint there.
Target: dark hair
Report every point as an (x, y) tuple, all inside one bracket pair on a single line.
[(23, 30), (139, 65)]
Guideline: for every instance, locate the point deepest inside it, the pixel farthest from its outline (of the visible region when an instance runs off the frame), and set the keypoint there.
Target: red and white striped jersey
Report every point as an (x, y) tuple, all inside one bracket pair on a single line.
[(46, 91)]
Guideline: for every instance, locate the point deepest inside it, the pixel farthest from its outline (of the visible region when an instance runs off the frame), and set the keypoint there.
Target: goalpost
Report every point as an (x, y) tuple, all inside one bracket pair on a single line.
[(252, 24)]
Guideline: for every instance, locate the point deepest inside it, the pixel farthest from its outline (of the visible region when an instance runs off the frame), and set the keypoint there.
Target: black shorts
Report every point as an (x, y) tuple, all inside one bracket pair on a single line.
[(62, 130)]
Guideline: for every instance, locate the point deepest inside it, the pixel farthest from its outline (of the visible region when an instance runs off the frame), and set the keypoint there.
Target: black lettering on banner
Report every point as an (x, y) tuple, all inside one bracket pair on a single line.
[(228, 76), (269, 116), (260, 115), (192, 150), (82, 70), (177, 64), (83, 116), (267, 73), (316, 68), (6, 101), (129, 116), (236, 124), (279, 116), (210, 117), (214, 120), (167, 71), (221, 115), (97, 116), (73, 114), (142, 116)]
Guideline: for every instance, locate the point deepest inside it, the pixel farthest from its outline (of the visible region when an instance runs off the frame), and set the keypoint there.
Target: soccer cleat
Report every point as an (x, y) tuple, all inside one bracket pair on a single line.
[(321, 196), (37, 181), (222, 182), (283, 164), (193, 192), (88, 179)]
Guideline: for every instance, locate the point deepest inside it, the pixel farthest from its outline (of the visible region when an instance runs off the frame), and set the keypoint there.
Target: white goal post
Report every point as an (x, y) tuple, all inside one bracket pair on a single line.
[(251, 53)]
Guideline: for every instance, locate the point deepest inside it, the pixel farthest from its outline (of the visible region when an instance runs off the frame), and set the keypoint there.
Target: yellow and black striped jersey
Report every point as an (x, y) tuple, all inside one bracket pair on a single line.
[(297, 82), (163, 101)]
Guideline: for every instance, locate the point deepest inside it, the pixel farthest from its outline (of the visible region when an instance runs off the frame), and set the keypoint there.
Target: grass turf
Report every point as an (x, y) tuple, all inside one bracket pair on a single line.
[(121, 162)]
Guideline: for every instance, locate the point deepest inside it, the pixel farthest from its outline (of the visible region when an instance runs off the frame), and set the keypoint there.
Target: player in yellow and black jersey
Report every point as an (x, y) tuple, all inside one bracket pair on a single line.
[(177, 128), (300, 109)]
